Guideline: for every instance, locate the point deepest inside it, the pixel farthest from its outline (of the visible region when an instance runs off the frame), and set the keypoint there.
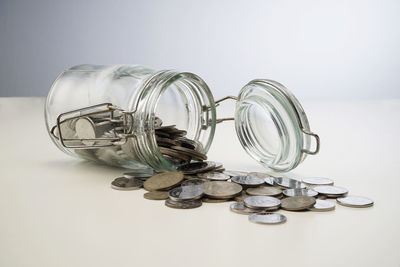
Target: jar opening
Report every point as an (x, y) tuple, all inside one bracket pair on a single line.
[(177, 99), (267, 123)]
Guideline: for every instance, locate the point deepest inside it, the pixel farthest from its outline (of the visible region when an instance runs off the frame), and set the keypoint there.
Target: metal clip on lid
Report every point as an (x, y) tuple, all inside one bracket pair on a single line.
[(82, 127)]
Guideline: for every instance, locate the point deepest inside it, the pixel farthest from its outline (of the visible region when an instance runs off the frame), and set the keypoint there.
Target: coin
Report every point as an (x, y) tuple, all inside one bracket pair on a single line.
[(199, 166), (84, 128), (247, 181), (188, 204), (235, 173), (156, 195), (267, 218), (174, 153), (215, 176), (299, 192), (331, 191), (241, 197), (193, 181), (163, 181), (221, 189), (297, 203), (219, 170), (167, 141), (166, 128), (190, 152), (264, 191), (317, 181), (286, 183), (188, 192), (240, 208), (262, 202), (137, 175), (215, 200), (323, 205), (355, 201), (267, 178), (122, 183)]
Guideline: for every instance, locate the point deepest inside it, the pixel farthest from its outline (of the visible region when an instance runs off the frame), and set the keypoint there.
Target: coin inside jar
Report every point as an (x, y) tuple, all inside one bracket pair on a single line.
[(262, 202), (199, 166), (247, 181), (188, 192), (221, 189)]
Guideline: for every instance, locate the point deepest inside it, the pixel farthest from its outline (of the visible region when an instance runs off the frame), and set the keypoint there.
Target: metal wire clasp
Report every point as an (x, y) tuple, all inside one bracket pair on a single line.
[(221, 100), (115, 113)]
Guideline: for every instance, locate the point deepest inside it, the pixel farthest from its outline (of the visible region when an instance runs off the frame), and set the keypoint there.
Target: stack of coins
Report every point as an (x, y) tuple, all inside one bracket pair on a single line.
[(257, 195), (175, 147)]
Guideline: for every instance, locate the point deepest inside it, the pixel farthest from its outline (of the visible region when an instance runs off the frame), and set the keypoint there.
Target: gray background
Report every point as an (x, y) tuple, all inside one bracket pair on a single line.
[(319, 49)]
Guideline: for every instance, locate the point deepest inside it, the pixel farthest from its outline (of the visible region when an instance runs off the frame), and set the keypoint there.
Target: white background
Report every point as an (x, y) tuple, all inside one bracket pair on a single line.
[(318, 49)]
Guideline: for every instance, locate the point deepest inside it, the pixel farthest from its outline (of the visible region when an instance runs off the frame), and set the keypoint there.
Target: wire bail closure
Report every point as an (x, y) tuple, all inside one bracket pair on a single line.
[(115, 113), (317, 139)]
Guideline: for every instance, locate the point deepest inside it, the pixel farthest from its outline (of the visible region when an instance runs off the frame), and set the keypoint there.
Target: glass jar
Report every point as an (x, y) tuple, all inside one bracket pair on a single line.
[(140, 94), (125, 103)]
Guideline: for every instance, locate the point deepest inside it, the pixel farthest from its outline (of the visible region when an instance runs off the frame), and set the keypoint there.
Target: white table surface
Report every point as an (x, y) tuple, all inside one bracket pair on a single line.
[(59, 211)]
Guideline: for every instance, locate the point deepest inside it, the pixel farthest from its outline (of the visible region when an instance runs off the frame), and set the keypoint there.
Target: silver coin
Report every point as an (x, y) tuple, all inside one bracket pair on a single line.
[(215, 200), (261, 202), (188, 192), (192, 181), (292, 192), (235, 173), (323, 205), (239, 207), (138, 174), (267, 178), (215, 176), (317, 181), (188, 204), (122, 183), (331, 191), (286, 183), (264, 191), (84, 128), (355, 201), (199, 166), (267, 218), (247, 180)]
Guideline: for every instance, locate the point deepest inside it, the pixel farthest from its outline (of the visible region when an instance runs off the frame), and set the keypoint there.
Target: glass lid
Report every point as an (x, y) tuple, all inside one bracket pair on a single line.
[(272, 126)]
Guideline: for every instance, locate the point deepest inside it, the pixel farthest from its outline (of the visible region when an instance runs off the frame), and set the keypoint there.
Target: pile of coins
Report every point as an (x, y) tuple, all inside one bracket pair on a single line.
[(175, 147), (256, 194)]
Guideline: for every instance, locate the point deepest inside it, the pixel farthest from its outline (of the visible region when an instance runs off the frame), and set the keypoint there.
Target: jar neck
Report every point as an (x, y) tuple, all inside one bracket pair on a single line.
[(177, 98)]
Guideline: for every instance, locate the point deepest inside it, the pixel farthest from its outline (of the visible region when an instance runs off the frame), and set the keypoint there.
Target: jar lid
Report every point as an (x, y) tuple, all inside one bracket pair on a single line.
[(272, 126)]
